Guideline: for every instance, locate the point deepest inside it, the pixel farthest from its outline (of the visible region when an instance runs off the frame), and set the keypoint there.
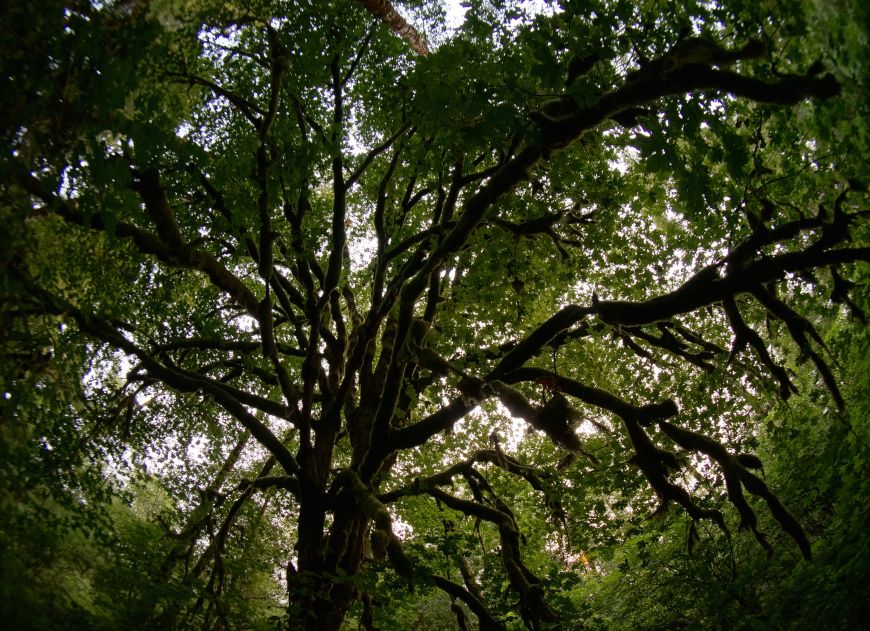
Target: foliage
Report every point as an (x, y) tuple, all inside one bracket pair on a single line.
[(557, 322)]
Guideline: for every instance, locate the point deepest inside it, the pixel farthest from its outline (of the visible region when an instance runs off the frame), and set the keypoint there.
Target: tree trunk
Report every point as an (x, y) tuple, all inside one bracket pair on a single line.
[(317, 601)]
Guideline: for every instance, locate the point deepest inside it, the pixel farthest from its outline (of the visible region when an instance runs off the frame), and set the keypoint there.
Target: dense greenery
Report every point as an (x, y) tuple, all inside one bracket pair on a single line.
[(315, 316)]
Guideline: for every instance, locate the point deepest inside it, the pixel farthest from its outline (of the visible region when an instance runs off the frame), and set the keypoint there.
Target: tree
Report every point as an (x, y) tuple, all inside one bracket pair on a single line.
[(282, 283)]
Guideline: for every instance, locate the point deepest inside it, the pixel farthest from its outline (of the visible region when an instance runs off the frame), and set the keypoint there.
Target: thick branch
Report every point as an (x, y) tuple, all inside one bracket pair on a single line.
[(248, 109), (707, 287), (158, 208), (384, 11), (487, 622), (735, 470), (744, 334), (560, 133), (644, 414), (378, 513), (420, 432), (147, 242), (656, 465), (537, 339)]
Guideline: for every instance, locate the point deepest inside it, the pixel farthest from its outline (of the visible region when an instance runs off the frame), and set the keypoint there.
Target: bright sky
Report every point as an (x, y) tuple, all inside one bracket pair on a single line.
[(455, 13)]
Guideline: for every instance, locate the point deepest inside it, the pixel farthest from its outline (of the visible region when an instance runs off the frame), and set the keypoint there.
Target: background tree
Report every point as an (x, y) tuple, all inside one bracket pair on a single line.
[(303, 329)]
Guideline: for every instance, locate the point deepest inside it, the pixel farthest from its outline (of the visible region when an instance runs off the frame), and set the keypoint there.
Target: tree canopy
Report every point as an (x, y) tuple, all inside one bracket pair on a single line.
[(337, 314)]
